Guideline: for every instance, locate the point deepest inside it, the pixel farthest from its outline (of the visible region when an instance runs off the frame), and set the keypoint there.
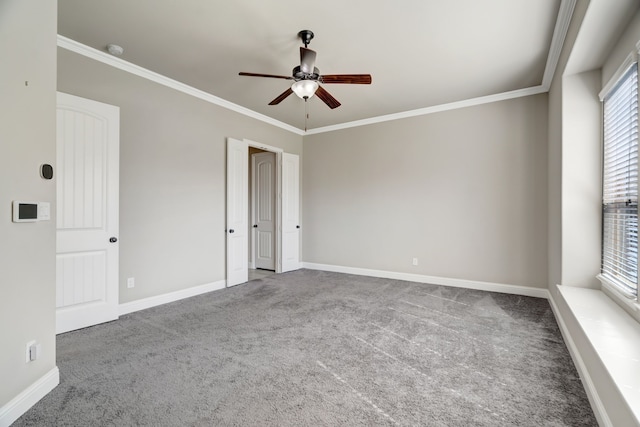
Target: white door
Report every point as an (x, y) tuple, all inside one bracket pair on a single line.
[(237, 211), (290, 212), (264, 210), (87, 212)]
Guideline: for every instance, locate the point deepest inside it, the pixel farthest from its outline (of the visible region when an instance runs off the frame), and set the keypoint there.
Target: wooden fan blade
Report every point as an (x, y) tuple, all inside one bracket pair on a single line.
[(307, 60), (265, 75), (282, 96), (354, 79), (327, 98)]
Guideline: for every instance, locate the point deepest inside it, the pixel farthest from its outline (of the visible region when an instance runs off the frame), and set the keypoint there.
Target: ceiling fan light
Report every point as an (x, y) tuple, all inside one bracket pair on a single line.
[(305, 88)]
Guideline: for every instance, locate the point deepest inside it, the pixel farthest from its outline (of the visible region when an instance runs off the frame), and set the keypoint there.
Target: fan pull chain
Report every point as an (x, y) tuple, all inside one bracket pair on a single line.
[(306, 112)]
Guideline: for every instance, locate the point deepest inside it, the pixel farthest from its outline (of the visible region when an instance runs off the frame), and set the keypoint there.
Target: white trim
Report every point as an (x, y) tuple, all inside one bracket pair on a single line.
[(631, 306), (278, 197), (557, 42), (262, 146), (105, 58), (592, 392), (519, 93), (20, 404), (253, 252), (434, 280), (628, 62), (626, 298), (559, 34), (143, 304)]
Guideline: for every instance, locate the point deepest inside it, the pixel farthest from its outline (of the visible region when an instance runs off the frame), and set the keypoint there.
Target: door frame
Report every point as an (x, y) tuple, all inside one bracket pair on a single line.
[(278, 198), (254, 194)]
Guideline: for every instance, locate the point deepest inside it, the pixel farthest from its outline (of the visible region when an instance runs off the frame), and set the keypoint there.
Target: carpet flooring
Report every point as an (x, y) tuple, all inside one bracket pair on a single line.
[(313, 348)]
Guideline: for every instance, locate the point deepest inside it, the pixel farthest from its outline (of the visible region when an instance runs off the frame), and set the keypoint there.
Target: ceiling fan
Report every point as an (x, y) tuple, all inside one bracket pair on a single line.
[(308, 78)]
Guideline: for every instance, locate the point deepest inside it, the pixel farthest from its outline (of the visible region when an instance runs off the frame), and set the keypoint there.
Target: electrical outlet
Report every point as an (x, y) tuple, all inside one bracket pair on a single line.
[(131, 282), (415, 261)]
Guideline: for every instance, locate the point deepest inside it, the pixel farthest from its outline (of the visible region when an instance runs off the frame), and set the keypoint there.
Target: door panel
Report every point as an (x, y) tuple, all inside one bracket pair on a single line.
[(237, 211), (264, 168), (290, 212), (82, 276), (87, 213)]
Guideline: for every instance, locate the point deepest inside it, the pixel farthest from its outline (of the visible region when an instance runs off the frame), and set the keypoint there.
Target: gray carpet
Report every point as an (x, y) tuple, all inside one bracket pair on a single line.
[(312, 348)]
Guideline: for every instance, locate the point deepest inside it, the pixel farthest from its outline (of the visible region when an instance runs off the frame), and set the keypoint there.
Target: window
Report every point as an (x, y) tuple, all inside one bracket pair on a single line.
[(620, 185)]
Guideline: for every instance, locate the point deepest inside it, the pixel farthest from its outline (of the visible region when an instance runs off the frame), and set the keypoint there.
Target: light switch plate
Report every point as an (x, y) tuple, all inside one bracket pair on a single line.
[(44, 211), (28, 351)]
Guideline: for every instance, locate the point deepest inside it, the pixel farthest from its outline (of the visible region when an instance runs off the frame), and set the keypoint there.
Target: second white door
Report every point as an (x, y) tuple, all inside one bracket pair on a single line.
[(263, 166), (237, 211)]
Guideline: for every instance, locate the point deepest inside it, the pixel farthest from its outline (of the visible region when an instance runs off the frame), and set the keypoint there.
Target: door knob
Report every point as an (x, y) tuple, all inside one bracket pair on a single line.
[(255, 225), (113, 239), (232, 231), (297, 226)]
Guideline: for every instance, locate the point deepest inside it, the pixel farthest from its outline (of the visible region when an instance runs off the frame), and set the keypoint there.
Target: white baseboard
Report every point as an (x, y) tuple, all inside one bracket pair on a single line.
[(25, 400), (590, 388), (142, 304), (458, 283)]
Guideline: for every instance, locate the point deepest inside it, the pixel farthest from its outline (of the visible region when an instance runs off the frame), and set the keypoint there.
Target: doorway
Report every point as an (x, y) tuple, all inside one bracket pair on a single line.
[(262, 208), (239, 227)]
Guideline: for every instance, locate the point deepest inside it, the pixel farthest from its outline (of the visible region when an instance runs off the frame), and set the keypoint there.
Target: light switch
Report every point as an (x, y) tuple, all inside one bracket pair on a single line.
[(34, 352), (44, 211)]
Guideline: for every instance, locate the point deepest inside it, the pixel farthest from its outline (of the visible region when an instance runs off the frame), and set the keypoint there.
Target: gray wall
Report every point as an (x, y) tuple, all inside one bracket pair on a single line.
[(554, 180), (27, 139), (575, 190), (581, 180), (464, 191), (172, 175), (625, 45), (555, 159), (575, 137)]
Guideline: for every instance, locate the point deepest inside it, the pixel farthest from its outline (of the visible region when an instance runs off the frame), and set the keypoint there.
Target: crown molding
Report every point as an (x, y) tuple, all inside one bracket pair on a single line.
[(105, 58), (557, 41), (535, 90), (565, 13)]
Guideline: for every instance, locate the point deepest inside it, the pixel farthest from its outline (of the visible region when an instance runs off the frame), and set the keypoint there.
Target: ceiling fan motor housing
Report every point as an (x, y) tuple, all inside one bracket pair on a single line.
[(298, 74)]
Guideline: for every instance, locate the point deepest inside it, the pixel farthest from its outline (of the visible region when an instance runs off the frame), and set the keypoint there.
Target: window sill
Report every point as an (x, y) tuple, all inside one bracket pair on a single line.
[(613, 334), (629, 304)]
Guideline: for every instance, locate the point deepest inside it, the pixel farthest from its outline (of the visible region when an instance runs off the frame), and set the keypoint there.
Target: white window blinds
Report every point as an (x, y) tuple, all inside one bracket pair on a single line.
[(620, 184)]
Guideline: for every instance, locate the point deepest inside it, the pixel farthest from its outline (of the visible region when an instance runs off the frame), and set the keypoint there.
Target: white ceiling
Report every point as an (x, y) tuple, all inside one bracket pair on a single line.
[(421, 53)]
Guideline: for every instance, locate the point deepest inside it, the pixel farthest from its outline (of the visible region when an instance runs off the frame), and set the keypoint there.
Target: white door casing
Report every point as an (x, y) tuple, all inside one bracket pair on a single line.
[(237, 211), (87, 212), (290, 212), (287, 235), (264, 213)]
